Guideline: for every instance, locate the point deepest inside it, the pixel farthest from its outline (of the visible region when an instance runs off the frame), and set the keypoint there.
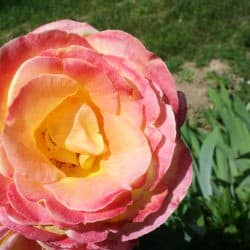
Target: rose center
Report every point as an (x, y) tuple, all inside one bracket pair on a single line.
[(70, 138)]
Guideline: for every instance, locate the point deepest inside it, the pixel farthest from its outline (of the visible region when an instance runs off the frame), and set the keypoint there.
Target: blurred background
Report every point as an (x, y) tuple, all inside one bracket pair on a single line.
[(206, 45)]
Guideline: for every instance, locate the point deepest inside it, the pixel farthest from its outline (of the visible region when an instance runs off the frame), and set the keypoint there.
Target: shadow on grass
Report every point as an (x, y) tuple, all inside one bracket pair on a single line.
[(169, 239)]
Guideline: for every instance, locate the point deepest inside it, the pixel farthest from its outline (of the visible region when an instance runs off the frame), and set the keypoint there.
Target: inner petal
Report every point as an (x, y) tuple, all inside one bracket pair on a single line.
[(84, 136), (69, 137), (34, 102)]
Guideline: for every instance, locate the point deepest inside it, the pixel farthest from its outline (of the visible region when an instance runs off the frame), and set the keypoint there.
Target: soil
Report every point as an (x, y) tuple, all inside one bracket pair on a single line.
[(196, 90)]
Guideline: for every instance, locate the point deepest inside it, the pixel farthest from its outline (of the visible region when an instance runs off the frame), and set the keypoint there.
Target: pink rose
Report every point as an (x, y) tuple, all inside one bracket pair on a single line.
[(90, 155)]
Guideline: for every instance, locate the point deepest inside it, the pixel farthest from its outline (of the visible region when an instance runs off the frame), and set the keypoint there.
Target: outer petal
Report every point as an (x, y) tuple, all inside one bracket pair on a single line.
[(27, 231), (82, 29), (5, 168), (178, 180), (117, 207), (14, 53), (18, 242), (34, 102), (153, 205), (121, 44), (5, 182), (91, 233), (33, 211), (97, 192), (165, 150), (35, 192)]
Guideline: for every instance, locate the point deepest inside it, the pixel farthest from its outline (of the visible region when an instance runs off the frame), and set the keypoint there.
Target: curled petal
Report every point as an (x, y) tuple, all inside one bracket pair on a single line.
[(31, 210), (26, 113), (29, 232), (97, 191), (31, 69), (5, 182), (178, 180), (89, 234), (14, 53), (130, 152), (121, 44)]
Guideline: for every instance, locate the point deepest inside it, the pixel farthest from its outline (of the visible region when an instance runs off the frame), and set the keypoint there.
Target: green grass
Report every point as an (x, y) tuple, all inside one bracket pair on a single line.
[(177, 30)]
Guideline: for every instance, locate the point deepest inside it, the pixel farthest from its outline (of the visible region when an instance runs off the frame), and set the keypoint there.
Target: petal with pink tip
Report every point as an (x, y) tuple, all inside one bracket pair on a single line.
[(17, 242), (117, 207), (35, 101), (94, 58), (157, 71), (90, 233), (130, 153), (31, 210), (178, 180), (153, 205), (98, 86), (121, 44), (20, 243), (35, 192), (165, 151), (82, 29), (65, 244), (27, 231), (5, 168), (5, 182), (31, 69), (96, 192), (146, 90), (15, 52)]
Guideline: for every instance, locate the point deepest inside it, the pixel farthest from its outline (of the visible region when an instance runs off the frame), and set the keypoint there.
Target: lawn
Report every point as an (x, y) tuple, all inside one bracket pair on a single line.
[(206, 44)]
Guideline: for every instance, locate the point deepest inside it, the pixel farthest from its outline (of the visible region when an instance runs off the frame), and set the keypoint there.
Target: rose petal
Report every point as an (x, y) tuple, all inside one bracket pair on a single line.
[(178, 181), (84, 136), (121, 44), (27, 231), (82, 29), (91, 233), (99, 87), (165, 151), (97, 191), (31, 69), (130, 153), (31, 210), (34, 102), (35, 192), (14, 53), (5, 168), (157, 71), (19, 243), (5, 182)]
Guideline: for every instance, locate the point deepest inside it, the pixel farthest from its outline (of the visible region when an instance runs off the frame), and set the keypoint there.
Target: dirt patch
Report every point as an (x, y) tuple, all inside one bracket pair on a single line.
[(194, 83)]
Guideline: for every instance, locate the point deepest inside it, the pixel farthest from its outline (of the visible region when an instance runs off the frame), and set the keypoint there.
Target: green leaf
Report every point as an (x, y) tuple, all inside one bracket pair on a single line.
[(205, 163), (224, 96), (238, 132), (221, 167), (243, 190), (241, 111)]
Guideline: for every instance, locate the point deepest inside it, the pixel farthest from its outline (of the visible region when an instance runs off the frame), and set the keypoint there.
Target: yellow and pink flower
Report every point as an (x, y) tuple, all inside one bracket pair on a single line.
[(90, 149)]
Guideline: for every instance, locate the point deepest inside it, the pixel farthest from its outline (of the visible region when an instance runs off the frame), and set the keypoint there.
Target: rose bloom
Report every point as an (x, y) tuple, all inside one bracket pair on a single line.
[(90, 150)]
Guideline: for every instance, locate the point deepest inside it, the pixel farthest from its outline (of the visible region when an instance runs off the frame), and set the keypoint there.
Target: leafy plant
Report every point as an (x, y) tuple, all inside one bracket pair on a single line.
[(216, 212)]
